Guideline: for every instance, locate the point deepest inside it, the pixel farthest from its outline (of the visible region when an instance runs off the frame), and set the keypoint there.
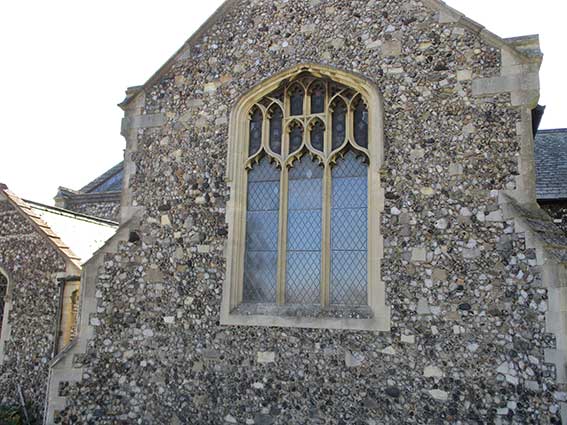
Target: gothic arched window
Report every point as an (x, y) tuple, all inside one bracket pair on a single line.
[(4, 311), (304, 228)]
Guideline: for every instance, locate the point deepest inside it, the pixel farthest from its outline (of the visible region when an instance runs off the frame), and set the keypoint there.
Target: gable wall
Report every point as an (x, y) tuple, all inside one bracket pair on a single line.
[(468, 311), (108, 210), (31, 264)]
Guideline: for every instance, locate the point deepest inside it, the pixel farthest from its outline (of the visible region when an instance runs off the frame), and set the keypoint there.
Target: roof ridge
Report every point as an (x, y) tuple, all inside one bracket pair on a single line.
[(74, 214), (553, 130)]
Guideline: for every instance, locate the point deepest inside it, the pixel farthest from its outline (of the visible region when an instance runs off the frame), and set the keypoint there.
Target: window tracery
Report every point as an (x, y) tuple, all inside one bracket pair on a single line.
[(304, 244)]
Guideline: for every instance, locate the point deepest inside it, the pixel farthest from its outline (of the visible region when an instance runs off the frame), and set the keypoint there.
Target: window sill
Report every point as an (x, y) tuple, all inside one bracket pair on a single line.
[(311, 317)]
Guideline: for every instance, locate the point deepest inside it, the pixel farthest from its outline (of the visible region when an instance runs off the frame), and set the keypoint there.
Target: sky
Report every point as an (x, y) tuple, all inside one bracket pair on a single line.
[(66, 65)]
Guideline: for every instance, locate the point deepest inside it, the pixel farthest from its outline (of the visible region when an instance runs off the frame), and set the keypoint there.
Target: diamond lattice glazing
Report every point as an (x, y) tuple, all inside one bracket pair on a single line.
[(303, 265), (349, 234), (261, 257)]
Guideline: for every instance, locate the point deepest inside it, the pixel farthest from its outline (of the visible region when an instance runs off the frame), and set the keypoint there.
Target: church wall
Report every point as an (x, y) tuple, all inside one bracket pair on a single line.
[(28, 335), (468, 328)]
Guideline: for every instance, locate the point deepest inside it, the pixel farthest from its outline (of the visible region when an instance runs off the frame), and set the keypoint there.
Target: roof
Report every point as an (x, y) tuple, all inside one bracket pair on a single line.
[(551, 164), (84, 234), (40, 225), (552, 238), (75, 236), (521, 46), (110, 181)]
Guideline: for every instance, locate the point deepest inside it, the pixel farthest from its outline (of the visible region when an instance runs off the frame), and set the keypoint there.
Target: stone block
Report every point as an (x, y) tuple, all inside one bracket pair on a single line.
[(265, 357), (433, 372), (464, 75), (455, 170), (504, 84), (418, 255), (439, 395), (392, 48)]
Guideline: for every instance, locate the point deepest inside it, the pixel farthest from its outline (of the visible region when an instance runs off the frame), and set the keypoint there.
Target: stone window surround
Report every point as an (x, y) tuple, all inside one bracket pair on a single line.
[(4, 326), (379, 318)]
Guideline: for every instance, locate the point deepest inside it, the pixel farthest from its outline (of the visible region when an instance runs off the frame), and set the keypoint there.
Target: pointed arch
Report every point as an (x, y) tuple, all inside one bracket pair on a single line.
[(345, 87)]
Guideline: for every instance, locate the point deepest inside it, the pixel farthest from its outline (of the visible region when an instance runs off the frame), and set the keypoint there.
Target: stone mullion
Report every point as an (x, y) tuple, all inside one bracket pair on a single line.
[(282, 240), (265, 129), (326, 238), (326, 213), (284, 184)]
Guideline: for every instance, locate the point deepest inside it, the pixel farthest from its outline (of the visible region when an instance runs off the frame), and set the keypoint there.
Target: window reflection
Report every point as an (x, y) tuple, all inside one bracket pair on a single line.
[(295, 137), (303, 268), (276, 130), (261, 258), (339, 123), (296, 100), (361, 124), (255, 131), (349, 231), (318, 136)]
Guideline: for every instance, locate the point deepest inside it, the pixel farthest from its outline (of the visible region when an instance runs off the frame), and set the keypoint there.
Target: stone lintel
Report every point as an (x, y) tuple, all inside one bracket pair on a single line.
[(504, 84), (142, 121)]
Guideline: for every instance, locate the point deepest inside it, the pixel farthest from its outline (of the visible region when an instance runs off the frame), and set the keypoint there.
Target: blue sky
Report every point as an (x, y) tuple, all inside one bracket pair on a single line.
[(66, 64)]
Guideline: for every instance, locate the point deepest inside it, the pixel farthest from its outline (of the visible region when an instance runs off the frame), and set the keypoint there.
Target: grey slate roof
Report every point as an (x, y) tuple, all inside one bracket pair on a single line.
[(551, 164), (110, 181)]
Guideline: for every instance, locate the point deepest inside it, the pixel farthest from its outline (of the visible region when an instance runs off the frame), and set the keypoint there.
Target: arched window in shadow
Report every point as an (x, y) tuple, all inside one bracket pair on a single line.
[(69, 312), (3, 293)]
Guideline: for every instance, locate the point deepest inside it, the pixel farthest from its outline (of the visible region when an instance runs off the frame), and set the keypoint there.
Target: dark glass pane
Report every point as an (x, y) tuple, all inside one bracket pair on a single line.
[(318, 99), (318, 136), (296, 99), (303, 265), (276, 130), (339, 124), (278, 94), (261, 255), (361, 124), (255, 132), (349, 234), (295, 138)]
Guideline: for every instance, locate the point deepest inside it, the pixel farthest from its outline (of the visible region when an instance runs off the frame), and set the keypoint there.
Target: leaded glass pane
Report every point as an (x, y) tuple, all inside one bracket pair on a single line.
[(303, 265), (261, 257), (339, 123), (318, 136), (255, 131), (361, 124), (276, 130), (349, 235), (296, 100), (295, 137), (318, 99), (348, 244)]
